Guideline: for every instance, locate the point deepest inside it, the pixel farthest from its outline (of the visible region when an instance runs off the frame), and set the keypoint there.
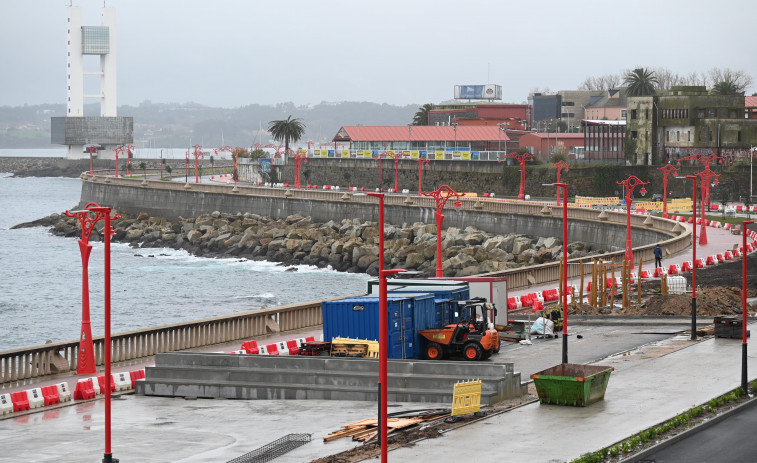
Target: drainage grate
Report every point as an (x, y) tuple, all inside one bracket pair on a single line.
[(273, 450)]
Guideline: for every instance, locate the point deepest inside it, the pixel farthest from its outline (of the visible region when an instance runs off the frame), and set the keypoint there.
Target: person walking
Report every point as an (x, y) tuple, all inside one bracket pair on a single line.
[(657, 256)]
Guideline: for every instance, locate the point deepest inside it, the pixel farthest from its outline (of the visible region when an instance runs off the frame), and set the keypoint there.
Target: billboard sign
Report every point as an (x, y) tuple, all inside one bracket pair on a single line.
[(478, 92)]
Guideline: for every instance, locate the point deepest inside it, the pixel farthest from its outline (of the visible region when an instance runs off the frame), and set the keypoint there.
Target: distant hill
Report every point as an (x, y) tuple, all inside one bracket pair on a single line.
[(173, 124)]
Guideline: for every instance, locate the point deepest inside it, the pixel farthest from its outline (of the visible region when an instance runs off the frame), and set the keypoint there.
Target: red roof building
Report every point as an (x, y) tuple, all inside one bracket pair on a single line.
[(423, 137), (750, 102)]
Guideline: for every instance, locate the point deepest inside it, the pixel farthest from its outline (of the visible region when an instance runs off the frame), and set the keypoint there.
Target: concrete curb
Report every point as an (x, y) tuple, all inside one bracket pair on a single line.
[(641, 456)]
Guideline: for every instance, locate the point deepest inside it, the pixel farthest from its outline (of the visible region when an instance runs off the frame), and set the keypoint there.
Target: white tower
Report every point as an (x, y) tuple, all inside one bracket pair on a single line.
[(75, 130)]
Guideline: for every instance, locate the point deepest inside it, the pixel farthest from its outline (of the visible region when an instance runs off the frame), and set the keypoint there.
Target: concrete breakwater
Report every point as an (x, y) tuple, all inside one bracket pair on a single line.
[(349, 245)]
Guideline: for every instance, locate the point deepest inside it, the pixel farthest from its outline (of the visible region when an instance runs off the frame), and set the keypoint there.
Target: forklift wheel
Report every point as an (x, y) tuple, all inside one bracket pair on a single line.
[(434, 351), (473, 351)]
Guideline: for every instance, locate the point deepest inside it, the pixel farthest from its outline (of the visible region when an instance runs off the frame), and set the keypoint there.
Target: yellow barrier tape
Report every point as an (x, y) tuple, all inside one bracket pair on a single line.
[(466, 398)]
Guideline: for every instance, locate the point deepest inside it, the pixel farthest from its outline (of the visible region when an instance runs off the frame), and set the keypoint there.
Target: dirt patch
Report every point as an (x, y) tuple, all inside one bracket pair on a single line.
[(718, 294)]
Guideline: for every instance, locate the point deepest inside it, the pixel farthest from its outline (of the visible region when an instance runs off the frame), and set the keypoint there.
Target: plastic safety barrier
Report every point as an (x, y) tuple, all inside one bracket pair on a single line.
[(309, 338), (135, 376), (466, 398), (551, 295), (6, 404), (20, 401), (727, 255), (101, 383), (719, 257), (736, 253), (511, 304), (36, 399), (251, 347), (537, 306), (659, 272), (272, 349), (644, 274), (122, 381), (699, 263), (50, 395), (84, 390), (674, 269), (686, 266), (282, 348), (710, 260), (293, 347)]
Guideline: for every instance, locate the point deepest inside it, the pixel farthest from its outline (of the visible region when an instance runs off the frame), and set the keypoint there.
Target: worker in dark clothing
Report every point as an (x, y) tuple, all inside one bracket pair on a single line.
[(657, 256)]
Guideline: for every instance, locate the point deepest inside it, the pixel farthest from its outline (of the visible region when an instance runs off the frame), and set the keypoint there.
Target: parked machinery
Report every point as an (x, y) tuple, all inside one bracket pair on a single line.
[(473, 336)]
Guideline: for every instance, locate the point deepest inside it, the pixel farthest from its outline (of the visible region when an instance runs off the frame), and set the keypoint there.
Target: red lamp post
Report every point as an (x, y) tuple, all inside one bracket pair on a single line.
[(441, 195), (100, 213), (129, 150), (298, 159), (234, 157), (744, 383), (197, 154), (694, 259), (421, 163), (705, 177), (630, 184), (118, 150), (383, 329), (161, 164), (564, 269), (667, 170), (86, 355), (380, 157), (396, 157), (560, 166), (521, 158), (91, 148)]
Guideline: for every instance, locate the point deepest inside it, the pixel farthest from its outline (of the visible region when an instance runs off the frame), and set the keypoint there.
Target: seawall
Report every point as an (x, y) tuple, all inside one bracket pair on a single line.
[(172, 200)]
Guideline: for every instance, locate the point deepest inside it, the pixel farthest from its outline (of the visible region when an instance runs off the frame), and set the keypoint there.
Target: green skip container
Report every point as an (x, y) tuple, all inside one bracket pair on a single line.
[(572, 384)]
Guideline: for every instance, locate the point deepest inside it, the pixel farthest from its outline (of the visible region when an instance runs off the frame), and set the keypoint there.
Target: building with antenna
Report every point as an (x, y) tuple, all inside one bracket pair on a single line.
[(76, 130)]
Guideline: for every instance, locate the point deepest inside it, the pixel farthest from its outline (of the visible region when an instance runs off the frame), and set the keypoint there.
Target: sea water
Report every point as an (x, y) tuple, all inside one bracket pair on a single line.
[(41, 276)]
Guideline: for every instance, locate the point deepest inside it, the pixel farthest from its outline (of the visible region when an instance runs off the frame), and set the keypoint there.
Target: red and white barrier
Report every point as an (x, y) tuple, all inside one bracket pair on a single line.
[(6, 404), (84, 389), (674, 269), (720, 257), (20, 401), (50, 395), (687, 266), (135, 376), (728, 255), (699, 263), (272, 349), (122, 381), (263, 350), (101, 382), (710, 260), (282, 348), (36, 399), (293, 347)]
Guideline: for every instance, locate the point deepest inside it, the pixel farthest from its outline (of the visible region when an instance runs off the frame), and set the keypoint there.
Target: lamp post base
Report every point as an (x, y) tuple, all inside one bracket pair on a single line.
[(108, 458)]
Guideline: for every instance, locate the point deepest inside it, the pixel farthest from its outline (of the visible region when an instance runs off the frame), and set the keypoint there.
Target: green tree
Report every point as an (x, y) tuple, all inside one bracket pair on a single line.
[(168, 169), (421, 116), (725, 87), (143, 166), (258, 154), (640, 82), (287, 130)]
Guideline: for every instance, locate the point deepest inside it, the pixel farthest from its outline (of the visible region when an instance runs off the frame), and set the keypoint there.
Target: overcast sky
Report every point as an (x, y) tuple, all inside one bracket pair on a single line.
[(232, 53)]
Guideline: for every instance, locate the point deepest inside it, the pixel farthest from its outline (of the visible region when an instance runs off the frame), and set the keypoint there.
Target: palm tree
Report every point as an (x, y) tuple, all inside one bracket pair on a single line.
[(286, 131), (725, 87), (421, 116), (640, 82)]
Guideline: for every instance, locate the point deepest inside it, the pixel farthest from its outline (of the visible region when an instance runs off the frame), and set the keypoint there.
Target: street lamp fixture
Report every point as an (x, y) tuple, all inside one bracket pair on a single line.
[(91, 148), (298, 159), (422, 162), (441, 196), (667, 170), (694, 258), (383, 329), (560, 166), (629, 185), (564, 269), (198, 154), (744, 230), (521, 158), (234, 156)]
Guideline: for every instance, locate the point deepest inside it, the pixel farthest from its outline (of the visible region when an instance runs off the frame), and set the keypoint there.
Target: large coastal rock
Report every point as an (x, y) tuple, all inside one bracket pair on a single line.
[(350, 245)]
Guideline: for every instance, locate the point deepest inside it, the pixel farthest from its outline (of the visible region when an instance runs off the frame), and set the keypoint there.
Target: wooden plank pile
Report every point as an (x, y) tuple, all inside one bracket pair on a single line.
[(366, 430)]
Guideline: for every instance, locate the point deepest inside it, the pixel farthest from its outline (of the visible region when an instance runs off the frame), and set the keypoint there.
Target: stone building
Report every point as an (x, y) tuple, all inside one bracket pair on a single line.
[(686, 120)]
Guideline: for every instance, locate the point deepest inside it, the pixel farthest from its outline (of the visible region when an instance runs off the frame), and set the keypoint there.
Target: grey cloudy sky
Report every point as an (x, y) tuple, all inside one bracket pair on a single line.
[(234, 52)]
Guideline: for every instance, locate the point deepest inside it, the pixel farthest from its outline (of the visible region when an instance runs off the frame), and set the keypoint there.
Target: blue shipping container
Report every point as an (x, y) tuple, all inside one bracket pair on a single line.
[(358, 318), (452, 293)]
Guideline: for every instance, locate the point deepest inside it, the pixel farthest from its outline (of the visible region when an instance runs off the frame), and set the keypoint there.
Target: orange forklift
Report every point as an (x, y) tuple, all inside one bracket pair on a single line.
[(472, 336)]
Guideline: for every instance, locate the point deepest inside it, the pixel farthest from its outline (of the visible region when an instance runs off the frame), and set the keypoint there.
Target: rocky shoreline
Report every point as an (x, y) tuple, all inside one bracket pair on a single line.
[(350, 245)]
